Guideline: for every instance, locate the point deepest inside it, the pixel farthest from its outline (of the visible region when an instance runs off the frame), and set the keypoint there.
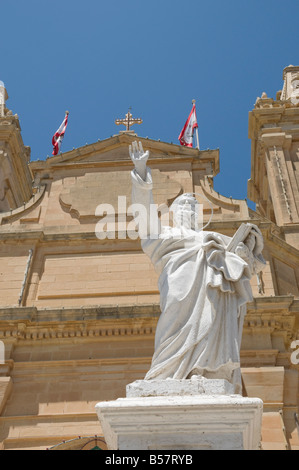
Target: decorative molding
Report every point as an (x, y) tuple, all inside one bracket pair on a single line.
[(272, 314), (73, 331), (7, 217), (28, 323)]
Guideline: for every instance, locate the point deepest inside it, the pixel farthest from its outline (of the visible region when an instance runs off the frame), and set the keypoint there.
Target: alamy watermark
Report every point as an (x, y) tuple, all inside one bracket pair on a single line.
[(185, 213), (2, 353)]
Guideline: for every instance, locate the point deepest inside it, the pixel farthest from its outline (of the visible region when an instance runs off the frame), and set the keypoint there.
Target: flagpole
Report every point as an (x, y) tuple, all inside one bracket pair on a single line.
[(197, 138), (193, 102)]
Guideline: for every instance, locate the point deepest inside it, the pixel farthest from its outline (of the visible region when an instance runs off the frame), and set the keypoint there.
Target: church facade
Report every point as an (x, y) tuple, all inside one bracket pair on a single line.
[(79, 301)]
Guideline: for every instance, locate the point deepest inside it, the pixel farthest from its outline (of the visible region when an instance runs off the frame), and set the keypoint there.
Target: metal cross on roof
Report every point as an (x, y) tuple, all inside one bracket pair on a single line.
[(128, 121)]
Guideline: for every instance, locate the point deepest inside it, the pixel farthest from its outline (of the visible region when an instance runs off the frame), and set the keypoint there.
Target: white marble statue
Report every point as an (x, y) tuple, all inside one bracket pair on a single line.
[(203, 289)]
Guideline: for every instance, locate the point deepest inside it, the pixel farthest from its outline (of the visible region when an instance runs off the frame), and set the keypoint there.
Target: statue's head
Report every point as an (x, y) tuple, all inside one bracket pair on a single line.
[(185, 209)]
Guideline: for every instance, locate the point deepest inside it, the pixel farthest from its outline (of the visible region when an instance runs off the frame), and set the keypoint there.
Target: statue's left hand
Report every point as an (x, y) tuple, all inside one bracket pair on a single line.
[(242, 251), (250, 241)]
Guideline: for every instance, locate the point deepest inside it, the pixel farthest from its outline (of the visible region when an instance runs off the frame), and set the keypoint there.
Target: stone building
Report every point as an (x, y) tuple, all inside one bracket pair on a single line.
[(78, 312)]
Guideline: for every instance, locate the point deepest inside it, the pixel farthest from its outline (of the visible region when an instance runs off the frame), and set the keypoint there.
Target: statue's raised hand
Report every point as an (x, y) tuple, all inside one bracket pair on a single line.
[(139, 158)]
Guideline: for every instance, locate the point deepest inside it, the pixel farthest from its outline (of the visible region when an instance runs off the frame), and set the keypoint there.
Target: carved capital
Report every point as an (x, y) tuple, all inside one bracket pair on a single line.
[(279, 139)]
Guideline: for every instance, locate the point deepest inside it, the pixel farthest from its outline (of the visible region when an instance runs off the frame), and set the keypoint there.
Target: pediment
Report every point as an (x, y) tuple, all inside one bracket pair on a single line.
[(99, 173), (116, 150)]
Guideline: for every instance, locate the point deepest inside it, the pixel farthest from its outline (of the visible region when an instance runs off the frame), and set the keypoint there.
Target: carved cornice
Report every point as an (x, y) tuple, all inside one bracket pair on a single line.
[(80, 330), (271, 323), (29, 323), (275, 314)]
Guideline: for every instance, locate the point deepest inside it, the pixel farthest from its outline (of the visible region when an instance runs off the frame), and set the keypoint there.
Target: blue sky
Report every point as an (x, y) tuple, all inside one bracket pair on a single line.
[(96, 58)]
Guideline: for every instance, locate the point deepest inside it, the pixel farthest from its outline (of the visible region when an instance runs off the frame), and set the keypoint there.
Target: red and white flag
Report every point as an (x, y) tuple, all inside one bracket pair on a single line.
[(59, 134), (186, 136)]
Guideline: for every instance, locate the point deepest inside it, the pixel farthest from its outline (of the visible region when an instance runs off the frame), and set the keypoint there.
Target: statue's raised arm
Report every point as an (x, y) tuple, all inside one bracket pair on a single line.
[(142, 196)]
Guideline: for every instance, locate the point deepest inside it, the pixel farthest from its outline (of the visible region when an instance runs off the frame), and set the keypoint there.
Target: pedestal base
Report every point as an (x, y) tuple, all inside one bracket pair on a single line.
[(181, 422), (197, 385)]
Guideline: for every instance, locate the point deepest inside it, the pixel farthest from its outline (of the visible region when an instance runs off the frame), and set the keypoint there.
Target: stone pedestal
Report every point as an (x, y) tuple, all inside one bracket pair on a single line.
[(181, 415)]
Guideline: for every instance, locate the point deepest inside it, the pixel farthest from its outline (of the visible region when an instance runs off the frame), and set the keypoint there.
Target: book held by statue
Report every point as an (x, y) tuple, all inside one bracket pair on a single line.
[(240, 235)]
